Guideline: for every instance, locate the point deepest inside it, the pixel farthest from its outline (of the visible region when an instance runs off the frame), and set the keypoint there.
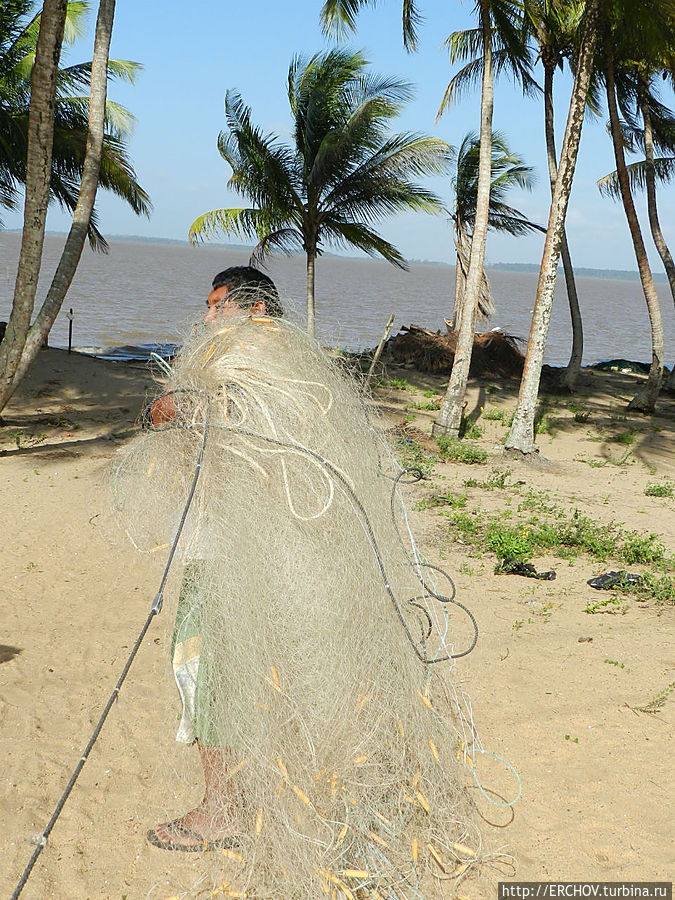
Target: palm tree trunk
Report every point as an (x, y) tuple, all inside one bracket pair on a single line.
[(521, 435), (311, 260), (450, 416), (459, 283), (654, 223), (38, 178), (645, 398), (570, 374), (72, 250)]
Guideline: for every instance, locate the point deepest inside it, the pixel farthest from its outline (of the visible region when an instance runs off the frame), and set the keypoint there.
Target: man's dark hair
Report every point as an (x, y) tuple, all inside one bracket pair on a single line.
[(246, 286)]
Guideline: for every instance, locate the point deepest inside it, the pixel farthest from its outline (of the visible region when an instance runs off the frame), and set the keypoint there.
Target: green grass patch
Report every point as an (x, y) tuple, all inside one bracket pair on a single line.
[(496, 415), (454, 501), (662, 489), (470, 430), (626, 437), (455, 450), (400, 384), (412, 456), (612, 605), (429, 405), (496, 480)]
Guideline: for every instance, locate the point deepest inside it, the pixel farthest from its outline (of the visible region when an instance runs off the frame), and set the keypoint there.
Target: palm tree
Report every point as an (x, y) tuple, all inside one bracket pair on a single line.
[(507, 170), (450, 414), (621, 41), (22, 340), (18, 35), (343, 172), (554, 27), (521, 434), (496, 18), (19, 29), (38, 169), (648, 124)]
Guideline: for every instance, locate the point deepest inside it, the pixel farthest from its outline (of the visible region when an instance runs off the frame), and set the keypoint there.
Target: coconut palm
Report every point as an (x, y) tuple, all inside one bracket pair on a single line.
[(629, 31), (521, 434), (19, 28), (507, 170), (648, 125), (497, 24), (343, 172), (22, 340), (554, 26), (497, 37)]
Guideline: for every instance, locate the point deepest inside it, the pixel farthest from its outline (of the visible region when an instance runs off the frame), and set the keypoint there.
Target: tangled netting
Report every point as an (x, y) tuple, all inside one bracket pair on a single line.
[(344, 762)]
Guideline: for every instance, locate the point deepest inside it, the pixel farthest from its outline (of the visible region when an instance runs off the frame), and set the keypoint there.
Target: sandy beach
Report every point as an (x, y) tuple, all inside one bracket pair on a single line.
[(568, 684)]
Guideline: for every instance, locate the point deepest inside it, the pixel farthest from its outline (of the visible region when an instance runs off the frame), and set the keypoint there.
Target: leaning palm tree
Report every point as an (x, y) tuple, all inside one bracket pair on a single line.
[(19, 28), (521, 435), (621, 43), (22, 341), (650, 126), (343, 172), (499, 38), (508, 170), (339, 17), (554, 26)]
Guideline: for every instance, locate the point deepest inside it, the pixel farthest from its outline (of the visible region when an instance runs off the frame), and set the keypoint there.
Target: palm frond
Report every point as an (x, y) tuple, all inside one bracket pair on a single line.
[(360, 235), (285, 240), (338, 17), (242, 222), (664, 171), (411, 22)]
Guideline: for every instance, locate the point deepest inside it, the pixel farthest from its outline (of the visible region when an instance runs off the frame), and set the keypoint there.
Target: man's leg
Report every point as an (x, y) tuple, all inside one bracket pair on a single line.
[(215, 819)]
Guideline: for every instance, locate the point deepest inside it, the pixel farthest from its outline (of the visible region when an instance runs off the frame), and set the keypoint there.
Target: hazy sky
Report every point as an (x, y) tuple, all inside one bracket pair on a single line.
[(192, 52)]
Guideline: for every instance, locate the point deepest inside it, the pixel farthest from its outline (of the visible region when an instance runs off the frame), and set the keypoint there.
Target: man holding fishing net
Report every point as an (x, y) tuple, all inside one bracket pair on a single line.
[(236, 292), (308, 628)]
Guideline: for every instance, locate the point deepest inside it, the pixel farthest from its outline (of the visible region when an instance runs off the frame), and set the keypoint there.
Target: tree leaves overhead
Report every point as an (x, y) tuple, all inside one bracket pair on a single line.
[(19, 26), (338, 19), (508, 171), (511, 54)]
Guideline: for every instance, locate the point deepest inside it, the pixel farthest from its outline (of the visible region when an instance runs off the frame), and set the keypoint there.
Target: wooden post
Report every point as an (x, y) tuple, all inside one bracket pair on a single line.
[(380, 346)]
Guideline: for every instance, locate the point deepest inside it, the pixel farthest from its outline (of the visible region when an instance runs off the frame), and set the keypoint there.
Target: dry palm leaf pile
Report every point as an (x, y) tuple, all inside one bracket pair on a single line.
[(494, 352)]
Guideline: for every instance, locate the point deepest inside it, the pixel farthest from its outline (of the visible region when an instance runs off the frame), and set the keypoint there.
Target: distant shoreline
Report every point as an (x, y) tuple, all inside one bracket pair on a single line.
[(526, 268)]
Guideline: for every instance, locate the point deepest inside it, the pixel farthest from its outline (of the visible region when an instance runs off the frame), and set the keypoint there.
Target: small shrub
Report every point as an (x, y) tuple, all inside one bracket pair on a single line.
[(400, 384), (412, 456), (495, 480), (509, 542), (454, 450), (495, 415), (454, 501), (637, 549), (429, 405), (665, 489)]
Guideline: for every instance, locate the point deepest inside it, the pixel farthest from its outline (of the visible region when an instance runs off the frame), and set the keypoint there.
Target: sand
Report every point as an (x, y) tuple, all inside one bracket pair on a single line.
[(556, 690)]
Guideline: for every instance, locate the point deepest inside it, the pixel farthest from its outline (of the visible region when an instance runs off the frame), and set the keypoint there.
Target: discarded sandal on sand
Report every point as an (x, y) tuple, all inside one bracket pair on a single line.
[(202, 845)]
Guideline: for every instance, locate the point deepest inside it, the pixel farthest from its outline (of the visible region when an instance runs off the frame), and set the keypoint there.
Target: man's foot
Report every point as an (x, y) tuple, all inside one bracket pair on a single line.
[(195, 832)]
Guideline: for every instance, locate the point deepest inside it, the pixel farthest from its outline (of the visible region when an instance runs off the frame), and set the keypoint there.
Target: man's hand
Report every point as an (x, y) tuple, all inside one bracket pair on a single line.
[(164, 409)]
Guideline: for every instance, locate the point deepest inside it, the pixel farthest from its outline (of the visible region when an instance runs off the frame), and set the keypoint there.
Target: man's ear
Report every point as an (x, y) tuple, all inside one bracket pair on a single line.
[(259, 308)]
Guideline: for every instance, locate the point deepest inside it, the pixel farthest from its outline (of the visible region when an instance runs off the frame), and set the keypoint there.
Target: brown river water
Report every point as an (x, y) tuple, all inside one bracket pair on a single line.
[(145, 293)]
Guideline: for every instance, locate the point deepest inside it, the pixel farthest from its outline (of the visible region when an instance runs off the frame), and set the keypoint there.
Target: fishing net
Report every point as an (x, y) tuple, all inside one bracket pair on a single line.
[(319, 634)]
